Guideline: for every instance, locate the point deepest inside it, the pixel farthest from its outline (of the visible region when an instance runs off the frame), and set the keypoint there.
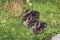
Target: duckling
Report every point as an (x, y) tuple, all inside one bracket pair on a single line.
[(29, 12), (38, 28)]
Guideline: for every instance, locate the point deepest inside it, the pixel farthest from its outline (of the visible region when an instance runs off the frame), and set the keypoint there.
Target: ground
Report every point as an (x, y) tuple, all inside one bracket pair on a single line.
[(12, 28)]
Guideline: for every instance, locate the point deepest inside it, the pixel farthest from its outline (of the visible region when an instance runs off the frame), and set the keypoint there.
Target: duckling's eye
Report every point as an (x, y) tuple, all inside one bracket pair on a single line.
[(33, 21), (45, 25)]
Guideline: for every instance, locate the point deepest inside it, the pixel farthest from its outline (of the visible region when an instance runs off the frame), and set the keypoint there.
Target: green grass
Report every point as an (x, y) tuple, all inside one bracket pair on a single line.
[(13, 28)]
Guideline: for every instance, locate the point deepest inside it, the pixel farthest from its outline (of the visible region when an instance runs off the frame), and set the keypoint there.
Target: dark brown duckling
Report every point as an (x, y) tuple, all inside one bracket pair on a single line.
[(38, 28)]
